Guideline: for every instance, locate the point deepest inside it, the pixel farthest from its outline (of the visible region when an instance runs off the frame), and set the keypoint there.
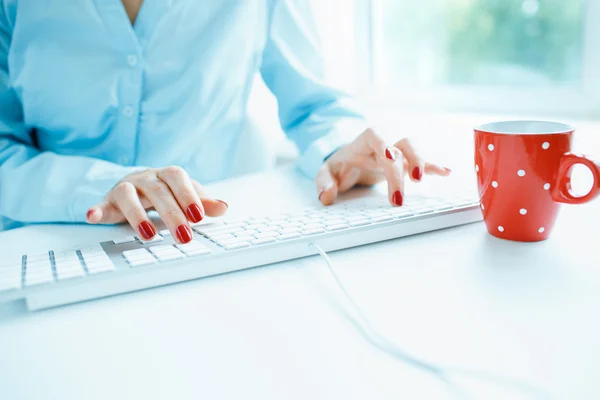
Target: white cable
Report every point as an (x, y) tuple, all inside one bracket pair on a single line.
[(379, 341)]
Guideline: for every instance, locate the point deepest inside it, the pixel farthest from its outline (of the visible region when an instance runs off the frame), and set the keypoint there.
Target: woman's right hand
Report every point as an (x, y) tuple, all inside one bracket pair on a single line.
[(170, 191)]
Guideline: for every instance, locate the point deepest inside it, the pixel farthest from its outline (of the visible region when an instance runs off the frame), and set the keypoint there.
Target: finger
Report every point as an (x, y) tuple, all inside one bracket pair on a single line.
[(212, 206), (125, 197), (104, 213), (432, 169), (181, 186), (326, 185), (416, 166), (377, 145), (167, 207), (394, 175)]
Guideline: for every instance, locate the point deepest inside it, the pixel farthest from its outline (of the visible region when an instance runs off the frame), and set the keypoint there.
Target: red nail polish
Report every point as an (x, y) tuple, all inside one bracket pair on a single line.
[(89, 213), (194, 213), (147, 230), (389, 154), (183, 234), (417, 173), (221, 201), (397, 198)]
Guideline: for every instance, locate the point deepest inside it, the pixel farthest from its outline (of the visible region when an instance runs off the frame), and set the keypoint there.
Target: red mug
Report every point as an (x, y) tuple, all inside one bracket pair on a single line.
[(523, 174)]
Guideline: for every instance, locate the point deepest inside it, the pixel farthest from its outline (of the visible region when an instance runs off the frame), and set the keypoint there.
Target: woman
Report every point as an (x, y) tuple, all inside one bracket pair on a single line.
[(110, 108)]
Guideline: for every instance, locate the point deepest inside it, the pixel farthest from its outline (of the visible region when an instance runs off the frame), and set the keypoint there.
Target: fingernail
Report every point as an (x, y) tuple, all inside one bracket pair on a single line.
[(321, 194), (221, 201), (194, 213), (390, 154), (397, 198), (89, 213), (417, 173), (447, 169), (146, 230), (183, 234)]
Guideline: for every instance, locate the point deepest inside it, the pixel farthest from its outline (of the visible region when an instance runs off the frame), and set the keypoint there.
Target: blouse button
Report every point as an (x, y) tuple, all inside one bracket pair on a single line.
[(127, 111), (132, 60)]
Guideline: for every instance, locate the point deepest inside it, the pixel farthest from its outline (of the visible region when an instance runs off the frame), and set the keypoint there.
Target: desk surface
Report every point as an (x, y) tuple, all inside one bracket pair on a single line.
[(456, 297)]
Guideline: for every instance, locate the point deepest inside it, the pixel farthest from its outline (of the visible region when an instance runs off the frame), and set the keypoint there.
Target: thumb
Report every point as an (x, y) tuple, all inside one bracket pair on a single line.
[(104, 213), (327, 187)]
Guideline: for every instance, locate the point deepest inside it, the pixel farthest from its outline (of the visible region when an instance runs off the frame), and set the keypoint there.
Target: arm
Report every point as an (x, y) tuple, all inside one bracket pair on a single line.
[(318, 118), (40, 186), (338, 148)]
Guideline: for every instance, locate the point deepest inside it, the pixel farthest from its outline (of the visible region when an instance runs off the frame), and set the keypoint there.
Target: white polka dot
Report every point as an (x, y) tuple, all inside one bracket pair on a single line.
[(545, 145), (495, 184), (501, 228), (476, 167), (521, 172), (523, 211), (541, 230), (546, 186), (490, 147)]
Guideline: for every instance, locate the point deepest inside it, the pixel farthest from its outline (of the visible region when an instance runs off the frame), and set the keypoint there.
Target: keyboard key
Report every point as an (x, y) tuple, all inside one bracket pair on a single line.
[(315, 231), (422, 210), (247, 232), (288, 236), (269, 228), (360, 222), (124, 239), (289, 230), (338, 227), (256, 226), (238, 245), (291, 225), (313, 226), (223, 236), (262, 235), (155, 239), (142, 261), (38, 257), (135, 253), (259, 220), (165, 232), (165, 248), (264, 240), (194, 249), (382, 218), (334, 222), (170, 255), (240, 239), (69, 274), (224, 230), (300, 218)]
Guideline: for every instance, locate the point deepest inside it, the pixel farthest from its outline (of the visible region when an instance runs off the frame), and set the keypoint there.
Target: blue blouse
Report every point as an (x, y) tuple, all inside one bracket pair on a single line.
[(86, 98)]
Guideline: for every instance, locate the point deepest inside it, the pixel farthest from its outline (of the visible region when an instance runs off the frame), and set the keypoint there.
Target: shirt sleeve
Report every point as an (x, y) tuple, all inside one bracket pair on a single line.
[(317, 117), (41, 186)]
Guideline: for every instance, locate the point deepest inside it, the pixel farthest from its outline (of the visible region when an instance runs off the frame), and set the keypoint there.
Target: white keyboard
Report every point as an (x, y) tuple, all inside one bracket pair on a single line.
[(126, 264)]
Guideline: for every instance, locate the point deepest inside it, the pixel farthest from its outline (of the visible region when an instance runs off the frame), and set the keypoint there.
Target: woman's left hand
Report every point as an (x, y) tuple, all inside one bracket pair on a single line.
[(369, 160)]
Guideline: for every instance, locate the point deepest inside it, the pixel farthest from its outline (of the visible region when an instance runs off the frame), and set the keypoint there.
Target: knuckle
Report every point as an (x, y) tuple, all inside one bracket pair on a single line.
[(124, 188), (173, 171), (156, 186)]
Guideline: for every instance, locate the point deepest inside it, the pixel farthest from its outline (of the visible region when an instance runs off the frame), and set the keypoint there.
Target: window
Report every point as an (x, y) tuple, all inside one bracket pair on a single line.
[(515, 56)]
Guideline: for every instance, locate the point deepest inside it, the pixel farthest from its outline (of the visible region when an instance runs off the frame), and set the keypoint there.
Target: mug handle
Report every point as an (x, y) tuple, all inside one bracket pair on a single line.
[(562, 192)]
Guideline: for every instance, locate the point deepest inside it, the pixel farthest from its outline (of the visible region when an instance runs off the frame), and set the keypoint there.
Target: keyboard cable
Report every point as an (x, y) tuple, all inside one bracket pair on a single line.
[(444, 374)]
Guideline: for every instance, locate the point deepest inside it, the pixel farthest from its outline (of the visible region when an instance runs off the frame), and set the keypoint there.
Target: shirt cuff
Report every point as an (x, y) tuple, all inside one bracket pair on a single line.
[(343, 132)]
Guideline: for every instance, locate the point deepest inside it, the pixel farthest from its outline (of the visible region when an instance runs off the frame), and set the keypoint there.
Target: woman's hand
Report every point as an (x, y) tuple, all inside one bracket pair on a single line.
[(369, 160), (170, 191)]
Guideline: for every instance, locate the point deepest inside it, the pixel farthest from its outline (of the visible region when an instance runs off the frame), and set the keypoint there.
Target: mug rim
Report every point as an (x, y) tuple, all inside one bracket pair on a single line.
[(559, 127)]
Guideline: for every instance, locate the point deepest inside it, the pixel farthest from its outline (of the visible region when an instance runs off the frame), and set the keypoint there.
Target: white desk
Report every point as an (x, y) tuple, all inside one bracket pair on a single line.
[(456, 297)]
